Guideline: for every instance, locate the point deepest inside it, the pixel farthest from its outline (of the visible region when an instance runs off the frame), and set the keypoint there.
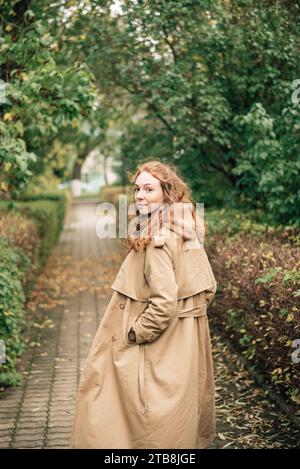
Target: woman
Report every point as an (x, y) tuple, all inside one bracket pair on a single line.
[(148, 380)]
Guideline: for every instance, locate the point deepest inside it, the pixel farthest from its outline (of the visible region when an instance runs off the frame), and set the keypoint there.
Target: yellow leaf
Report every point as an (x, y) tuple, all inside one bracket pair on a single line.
[(290, 317), (23, 76), (4, 186), (296, 399), (277, 371), (8, 116), (55, 46), (8, 28), (7, 166), (8, 313)]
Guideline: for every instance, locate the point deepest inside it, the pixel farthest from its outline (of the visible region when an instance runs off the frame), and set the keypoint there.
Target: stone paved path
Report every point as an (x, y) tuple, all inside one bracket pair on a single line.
[(39, 414)]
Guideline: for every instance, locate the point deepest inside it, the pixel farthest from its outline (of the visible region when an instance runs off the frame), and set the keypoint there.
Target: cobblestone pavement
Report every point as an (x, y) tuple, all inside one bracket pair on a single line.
[(39, 414)]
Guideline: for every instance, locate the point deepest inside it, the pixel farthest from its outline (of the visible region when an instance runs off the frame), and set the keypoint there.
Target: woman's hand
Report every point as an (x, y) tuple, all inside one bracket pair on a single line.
[(131, 336)]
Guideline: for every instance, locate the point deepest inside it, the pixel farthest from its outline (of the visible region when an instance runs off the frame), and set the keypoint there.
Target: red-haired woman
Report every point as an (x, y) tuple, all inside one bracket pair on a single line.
[(148, 380)]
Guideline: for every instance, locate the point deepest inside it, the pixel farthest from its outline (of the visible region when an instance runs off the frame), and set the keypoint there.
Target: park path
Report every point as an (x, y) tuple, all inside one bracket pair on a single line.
[(40, 412)]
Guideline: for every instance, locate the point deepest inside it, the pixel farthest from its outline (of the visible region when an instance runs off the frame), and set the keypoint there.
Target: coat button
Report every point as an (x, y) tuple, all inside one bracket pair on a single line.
[(122, 306)]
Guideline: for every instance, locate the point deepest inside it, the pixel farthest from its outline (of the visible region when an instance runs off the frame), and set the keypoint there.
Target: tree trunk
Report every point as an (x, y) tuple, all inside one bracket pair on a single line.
[(77, 169), (105, 169)]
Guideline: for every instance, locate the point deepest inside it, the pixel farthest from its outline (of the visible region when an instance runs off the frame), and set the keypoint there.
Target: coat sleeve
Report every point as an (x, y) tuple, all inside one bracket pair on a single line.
[(159, 273)]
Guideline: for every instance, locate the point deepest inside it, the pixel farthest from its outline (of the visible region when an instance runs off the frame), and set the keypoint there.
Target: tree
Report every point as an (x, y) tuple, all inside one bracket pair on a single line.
[(41, 95), (200, 68)]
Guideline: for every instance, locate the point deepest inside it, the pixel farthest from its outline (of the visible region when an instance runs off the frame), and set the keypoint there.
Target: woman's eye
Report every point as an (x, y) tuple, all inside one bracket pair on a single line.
[(136, 189)]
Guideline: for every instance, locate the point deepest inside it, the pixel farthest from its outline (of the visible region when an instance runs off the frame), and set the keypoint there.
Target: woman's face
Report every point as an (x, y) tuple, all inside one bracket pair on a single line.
[(147, 191)]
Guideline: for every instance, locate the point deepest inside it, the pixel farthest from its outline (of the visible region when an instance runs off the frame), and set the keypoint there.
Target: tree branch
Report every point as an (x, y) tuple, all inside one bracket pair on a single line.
[(170, 44)]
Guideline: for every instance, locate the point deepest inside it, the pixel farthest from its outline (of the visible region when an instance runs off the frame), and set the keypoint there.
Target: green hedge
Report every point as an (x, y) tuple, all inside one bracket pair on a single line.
[(257, 304), (17, 253), (48, 212), (22, 233), (14, 264), (47, 216), (62, 201)]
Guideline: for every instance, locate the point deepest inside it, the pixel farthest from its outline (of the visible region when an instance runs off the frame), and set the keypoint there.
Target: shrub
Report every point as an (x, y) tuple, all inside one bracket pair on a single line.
[(48, 212), (13, 266), (22, 233), (257, 303), (28, 231), (62, 199)]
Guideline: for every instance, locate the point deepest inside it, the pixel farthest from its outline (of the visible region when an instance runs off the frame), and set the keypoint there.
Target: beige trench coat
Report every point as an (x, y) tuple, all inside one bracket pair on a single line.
[(159, 391)]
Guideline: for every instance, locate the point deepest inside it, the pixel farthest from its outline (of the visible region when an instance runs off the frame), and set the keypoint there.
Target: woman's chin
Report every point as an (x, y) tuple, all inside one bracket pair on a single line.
[(142, 210)]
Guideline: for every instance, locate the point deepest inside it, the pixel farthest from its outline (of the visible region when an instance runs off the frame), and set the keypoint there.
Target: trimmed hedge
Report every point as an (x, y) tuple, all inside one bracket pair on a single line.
[(22, 233), (48, 212), (257, 304), (12, 300), (62, 198), (28, 231), (46, 216)]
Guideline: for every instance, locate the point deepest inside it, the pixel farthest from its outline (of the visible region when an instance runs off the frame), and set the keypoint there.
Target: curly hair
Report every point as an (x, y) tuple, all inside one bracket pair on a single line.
[(174, 190)]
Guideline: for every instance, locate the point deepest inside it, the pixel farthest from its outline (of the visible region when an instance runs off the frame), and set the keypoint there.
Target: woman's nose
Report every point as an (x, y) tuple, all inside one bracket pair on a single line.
[(140, 195)]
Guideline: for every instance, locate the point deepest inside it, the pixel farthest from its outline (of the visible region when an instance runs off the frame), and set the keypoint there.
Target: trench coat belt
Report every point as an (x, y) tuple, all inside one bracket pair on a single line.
[(199, 310)]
